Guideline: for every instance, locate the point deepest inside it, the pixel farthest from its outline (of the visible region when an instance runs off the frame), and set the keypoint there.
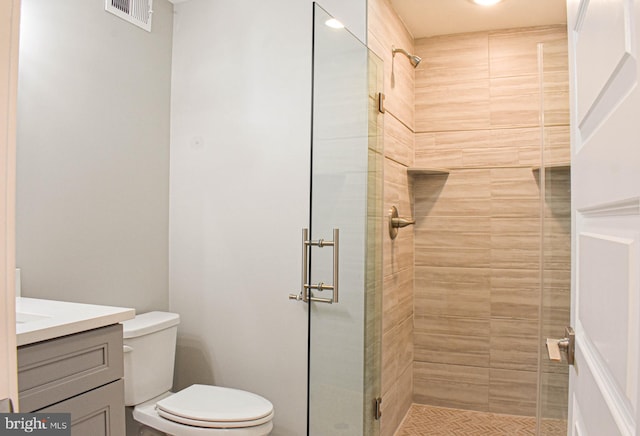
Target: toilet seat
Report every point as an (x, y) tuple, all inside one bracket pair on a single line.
[(214, 424), (215, 407), (147, 415)]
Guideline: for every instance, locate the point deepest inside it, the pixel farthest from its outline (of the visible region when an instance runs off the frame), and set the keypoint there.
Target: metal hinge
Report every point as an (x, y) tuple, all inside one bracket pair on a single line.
[(381, 108), (377, 408)]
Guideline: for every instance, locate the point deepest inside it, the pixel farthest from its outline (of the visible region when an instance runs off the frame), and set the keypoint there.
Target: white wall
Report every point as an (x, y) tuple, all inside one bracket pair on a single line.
[(93, 154), (240, 132)]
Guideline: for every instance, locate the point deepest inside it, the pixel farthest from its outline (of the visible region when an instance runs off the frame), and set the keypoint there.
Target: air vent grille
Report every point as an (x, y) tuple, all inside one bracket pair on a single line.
[(137, 12)]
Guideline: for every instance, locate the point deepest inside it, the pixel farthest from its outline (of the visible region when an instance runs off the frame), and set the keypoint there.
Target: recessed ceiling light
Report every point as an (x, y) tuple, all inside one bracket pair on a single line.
[(485, 2), (332, 22)]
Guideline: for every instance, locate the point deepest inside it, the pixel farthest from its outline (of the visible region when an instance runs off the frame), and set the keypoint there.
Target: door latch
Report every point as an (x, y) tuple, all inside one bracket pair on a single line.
[(566, 345)]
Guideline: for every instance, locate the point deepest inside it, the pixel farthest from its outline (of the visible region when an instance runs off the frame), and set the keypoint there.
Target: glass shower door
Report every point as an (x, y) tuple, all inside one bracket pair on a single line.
[(555, 181), (345, 278)]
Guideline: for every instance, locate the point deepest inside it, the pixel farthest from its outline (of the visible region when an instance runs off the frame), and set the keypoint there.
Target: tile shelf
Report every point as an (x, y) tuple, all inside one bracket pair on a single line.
[(412, 171), (425, 171), (554, 166)]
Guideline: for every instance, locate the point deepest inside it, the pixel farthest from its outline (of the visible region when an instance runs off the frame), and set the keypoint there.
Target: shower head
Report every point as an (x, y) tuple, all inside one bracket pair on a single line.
[(415, 60)]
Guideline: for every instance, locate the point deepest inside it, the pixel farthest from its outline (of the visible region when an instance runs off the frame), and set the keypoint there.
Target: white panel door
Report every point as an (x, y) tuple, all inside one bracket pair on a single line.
[(605, 103), (9, 23)]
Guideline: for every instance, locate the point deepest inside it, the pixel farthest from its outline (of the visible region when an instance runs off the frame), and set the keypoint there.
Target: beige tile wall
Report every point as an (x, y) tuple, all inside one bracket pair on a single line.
[(387, 30), (477, 234)]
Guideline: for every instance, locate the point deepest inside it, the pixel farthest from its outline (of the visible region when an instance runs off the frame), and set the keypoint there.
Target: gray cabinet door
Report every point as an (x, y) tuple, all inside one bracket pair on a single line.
[(96, 413)]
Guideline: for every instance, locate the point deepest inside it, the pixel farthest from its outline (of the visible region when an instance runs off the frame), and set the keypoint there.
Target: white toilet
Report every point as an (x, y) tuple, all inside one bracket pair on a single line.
[(199, 410)]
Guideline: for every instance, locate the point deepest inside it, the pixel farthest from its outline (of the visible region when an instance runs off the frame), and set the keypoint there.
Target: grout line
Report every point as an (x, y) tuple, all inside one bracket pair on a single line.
[(488, 367), (489, 129), (397, 161), (401, 122)]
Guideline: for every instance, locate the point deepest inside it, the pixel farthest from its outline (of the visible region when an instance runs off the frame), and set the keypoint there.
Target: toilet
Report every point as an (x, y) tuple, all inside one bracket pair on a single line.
[(199, 410)]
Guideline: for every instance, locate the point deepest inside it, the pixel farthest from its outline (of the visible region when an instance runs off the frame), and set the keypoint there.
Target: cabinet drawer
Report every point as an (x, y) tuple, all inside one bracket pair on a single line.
[(99, 412), (54, 370)]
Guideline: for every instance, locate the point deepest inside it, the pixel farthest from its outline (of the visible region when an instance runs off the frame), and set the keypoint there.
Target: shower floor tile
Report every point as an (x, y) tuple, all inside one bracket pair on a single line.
[(424, 420)]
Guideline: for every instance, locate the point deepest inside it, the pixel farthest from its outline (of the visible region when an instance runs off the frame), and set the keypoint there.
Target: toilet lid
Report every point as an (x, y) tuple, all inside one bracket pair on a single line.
[(214, 406)]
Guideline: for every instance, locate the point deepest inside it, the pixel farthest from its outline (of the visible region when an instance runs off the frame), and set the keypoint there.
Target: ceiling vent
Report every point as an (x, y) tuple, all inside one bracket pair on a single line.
[(137, 12)]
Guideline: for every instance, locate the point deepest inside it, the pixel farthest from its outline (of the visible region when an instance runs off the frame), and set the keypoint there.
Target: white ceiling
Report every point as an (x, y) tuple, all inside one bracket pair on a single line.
[(442, 17)]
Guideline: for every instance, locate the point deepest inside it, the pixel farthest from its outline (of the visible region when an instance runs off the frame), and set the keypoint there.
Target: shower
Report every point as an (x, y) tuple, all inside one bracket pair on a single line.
[(415, 60)]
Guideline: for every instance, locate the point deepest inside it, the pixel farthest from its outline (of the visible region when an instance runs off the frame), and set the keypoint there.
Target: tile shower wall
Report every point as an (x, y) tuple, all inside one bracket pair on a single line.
[(385, 31), (477, 234)]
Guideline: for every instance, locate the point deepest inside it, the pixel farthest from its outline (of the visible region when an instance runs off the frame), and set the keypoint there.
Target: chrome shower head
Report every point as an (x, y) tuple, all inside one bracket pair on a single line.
[(415, 60)]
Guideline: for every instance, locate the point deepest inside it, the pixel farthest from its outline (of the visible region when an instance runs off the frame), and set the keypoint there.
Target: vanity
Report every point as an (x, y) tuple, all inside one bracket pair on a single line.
[(70, 361)]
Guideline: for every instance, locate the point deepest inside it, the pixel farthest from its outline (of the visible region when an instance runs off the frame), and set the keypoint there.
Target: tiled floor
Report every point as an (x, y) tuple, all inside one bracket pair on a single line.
[(438, 421)]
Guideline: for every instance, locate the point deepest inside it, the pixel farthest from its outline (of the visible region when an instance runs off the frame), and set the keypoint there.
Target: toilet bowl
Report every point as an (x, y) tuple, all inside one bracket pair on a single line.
[(198, 410)]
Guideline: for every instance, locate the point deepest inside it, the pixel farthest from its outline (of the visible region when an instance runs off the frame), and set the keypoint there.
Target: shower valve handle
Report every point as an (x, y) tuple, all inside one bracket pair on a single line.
[(396, 222), (401, 222)]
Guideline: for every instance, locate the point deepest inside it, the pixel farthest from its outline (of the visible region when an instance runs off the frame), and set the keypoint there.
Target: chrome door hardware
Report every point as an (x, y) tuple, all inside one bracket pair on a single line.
[(396, 222), (304, 294), (381, 98), (565, 345)]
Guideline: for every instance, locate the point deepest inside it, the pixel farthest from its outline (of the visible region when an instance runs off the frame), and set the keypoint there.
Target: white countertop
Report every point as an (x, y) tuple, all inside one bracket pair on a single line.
[(38, 320)]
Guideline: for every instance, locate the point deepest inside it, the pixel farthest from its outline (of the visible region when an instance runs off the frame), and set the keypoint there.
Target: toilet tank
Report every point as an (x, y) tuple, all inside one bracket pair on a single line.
[(149, 355)]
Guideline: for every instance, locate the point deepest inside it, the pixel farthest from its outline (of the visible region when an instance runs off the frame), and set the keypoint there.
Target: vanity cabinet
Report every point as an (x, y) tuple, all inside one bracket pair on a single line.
[(79, 374)]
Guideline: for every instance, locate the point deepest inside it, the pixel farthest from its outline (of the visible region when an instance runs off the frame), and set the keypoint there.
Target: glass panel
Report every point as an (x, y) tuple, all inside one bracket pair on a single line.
[(346, 193), (374, 273), (556, 270)]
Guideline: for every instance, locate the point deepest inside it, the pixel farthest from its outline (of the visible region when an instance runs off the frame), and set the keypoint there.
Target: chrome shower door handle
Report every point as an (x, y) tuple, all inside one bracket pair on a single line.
[(336, 263), (304, 291), (305, 287), (397, 222)]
